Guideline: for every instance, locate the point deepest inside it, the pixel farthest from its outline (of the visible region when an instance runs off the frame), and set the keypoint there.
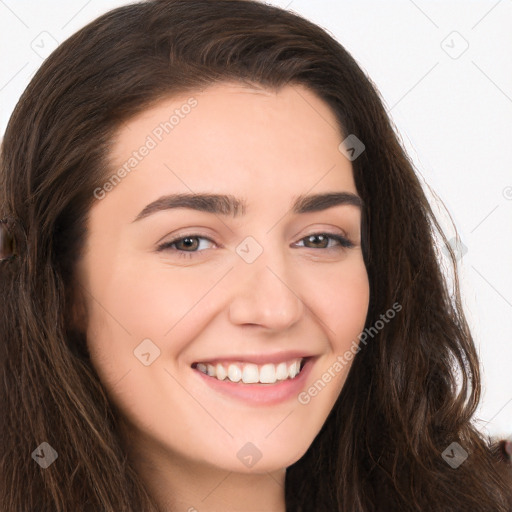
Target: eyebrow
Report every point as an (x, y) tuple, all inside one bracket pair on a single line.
[(225, 204)]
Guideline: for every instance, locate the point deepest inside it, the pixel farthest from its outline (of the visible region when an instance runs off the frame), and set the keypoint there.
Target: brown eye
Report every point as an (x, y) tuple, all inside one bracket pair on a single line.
[(321, 241), (318, 240), (186, 245)]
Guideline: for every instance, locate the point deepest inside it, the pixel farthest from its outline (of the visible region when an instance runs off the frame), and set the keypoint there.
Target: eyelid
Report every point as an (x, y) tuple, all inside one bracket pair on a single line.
[(343, 240), (196, 234), (183, 233)]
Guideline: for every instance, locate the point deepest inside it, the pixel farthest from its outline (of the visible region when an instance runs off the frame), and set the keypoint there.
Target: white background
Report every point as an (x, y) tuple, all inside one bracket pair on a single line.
[(451, 105)]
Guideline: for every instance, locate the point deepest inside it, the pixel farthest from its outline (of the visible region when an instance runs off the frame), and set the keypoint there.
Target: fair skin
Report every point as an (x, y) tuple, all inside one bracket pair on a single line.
[(302, 293)]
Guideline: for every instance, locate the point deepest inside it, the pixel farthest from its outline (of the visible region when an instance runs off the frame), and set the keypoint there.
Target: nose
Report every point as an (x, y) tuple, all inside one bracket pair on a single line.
[(265, 294)]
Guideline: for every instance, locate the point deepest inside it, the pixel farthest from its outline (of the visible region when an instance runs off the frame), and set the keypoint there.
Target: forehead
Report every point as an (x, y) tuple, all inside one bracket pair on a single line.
[(227, 125), (232, 138)]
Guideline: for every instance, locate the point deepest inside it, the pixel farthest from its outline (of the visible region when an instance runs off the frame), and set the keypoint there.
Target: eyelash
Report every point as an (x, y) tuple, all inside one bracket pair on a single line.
[(344, 243)]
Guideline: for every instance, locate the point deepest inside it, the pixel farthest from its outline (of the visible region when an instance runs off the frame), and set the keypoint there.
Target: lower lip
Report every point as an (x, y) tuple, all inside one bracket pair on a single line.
[(261, 394)]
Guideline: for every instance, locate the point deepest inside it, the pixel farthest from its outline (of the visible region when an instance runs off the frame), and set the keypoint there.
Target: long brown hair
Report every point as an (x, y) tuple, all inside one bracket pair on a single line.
[(402, 405)]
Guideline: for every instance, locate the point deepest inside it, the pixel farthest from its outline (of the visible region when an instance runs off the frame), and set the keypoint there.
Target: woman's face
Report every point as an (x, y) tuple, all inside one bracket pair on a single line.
[(254, 289)]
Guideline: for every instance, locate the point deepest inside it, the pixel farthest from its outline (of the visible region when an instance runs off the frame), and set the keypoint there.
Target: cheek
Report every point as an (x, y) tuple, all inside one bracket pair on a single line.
[(149, 302), (348, 319), (340, 300), (136, 303), (130, 308), (164, 294)]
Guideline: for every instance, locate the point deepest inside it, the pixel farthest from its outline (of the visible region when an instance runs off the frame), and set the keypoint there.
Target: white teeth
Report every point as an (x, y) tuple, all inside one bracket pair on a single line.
[(221, 372), (294, 369), (234, 373), (268, 373), (281, 371), (250, 373)]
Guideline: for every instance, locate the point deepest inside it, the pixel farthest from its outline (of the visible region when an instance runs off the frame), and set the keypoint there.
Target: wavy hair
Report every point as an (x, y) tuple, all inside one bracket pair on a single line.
[(411, 391)]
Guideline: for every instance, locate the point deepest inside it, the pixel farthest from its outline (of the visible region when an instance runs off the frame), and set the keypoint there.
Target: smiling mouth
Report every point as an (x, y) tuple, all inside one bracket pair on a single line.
[(249, 373)]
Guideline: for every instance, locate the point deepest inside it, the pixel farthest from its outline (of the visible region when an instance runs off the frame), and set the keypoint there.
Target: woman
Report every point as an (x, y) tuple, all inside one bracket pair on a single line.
[(220, 283)]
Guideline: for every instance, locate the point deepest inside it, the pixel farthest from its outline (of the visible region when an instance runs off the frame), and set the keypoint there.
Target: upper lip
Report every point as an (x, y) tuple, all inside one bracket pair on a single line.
[(259, 359)]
